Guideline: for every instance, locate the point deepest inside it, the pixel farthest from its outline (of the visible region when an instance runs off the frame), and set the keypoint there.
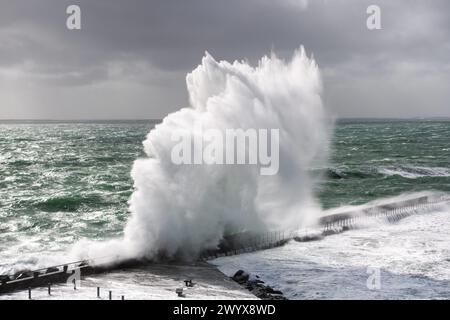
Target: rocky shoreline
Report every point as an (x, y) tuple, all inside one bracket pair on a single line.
[(257, 286)]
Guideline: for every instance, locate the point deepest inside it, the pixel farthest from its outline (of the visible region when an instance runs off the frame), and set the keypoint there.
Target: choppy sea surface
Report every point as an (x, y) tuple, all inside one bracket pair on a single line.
[(61, 182), (406, 260)]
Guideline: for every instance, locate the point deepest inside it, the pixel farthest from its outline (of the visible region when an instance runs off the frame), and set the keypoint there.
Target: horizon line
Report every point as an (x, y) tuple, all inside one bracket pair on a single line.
[(159, 119)]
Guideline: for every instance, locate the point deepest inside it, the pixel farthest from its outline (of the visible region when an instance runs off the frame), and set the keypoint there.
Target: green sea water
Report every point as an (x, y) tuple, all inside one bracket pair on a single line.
[(373, 159), (60, 182)]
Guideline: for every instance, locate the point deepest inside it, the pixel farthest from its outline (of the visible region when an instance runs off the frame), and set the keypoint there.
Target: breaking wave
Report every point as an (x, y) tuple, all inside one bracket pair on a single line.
[(409, 172), (412, 172), (179, 210)]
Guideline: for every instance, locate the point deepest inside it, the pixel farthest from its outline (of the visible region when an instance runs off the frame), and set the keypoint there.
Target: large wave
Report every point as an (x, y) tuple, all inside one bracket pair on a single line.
[(180, 210)]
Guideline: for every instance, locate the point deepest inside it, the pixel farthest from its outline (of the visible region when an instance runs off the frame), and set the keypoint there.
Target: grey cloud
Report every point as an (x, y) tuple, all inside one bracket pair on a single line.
[(142, 43)]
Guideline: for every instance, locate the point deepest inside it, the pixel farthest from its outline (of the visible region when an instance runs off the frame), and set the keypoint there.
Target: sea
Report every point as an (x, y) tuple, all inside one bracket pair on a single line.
[(61, 182)]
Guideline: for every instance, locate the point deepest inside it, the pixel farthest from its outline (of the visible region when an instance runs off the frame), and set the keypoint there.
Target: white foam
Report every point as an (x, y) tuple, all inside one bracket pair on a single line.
[(413, 172), (183, 209)]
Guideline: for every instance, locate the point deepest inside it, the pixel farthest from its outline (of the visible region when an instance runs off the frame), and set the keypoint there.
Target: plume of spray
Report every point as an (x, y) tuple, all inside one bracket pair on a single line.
[(180, 210)]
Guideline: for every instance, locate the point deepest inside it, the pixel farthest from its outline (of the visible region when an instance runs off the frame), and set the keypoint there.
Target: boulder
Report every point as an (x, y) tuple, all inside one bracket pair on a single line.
[(241, 276)]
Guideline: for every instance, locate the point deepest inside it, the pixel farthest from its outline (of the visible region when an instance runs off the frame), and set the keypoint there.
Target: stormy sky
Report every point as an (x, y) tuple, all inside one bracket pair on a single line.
[(130, 58)]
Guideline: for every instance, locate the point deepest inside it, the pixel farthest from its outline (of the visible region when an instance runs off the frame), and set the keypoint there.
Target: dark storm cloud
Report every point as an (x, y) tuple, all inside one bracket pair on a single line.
[(141, 50)]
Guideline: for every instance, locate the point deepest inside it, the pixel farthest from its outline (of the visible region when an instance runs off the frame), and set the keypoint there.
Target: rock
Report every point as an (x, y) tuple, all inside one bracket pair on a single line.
[(269, 289), (241, 276), (277, 292), (249, 287), (256, 287), (278, 298)]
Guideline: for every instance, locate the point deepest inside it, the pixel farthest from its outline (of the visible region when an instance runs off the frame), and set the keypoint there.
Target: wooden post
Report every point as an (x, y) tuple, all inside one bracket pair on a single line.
[(123, 297), (98, 292), (110, 295), (29, 293), (49, 289)]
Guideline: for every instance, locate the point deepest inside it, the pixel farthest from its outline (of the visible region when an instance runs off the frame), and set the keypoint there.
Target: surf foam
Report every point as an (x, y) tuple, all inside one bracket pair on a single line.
[(180, 210)]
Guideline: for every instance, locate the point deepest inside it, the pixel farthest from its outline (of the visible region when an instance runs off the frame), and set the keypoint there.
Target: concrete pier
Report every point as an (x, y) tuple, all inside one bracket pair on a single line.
[(154, 281)]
